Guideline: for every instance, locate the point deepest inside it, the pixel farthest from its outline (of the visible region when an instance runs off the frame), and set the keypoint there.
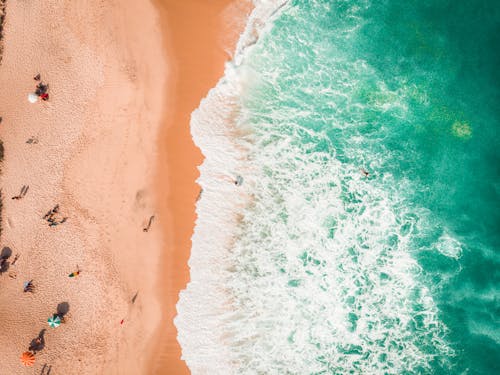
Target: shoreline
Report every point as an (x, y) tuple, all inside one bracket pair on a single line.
[(196, 57)]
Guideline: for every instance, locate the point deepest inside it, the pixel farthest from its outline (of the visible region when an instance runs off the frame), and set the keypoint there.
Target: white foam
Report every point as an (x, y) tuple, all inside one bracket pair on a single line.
[(449, 246), (214, 126), (350, 268), (306, 266)]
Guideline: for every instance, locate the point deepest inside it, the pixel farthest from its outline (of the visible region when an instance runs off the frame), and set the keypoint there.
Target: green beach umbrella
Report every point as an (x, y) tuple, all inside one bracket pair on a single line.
[(54, 321)]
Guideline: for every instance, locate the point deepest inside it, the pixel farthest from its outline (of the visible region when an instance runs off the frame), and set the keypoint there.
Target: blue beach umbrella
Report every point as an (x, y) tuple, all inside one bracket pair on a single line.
[(54, 321)]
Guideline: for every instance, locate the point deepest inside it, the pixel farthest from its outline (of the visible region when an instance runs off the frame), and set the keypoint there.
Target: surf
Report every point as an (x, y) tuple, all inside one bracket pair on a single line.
[(329, 256)]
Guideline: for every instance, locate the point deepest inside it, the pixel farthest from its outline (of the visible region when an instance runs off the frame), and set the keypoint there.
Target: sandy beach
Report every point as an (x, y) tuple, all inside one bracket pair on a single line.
[(110, 148), (91, 149)]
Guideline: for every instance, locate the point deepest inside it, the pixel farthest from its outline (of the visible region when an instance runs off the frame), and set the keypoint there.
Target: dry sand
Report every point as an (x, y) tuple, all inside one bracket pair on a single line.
[(95, 157), (112, 148)]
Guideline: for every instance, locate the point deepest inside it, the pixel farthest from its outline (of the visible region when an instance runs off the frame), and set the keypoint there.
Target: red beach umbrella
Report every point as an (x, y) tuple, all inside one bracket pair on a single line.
[(27, 359)]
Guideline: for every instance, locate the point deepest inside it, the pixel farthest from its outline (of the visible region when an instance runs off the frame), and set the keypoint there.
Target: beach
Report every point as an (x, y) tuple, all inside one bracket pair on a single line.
[(242, 187), (196, 62), (101, 154), (93, 153)]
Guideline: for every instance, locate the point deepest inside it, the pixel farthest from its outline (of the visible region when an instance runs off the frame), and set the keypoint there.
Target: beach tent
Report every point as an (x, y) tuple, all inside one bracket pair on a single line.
[(27, 359)]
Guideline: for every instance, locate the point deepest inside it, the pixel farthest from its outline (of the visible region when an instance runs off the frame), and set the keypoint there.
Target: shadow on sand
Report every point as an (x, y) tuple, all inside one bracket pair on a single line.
[(38, 343), (62, 310), (4, 259)]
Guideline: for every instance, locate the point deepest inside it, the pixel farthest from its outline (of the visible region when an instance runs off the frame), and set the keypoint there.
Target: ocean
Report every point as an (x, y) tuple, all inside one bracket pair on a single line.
[(349, 221)]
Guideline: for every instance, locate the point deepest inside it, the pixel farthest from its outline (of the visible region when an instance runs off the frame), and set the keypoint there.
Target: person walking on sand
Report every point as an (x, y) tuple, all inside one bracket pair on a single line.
[(23, 192), (146, 229), (28, 286), (15, 259)]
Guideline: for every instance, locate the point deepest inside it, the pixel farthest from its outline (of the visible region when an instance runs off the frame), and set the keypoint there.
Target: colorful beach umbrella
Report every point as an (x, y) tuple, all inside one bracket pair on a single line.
[(54, 321), (27, 359)]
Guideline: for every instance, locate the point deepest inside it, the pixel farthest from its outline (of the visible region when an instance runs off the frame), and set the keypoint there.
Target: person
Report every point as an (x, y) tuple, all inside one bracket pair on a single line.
[(365, 172), (23, 192), (199, 195), (75, 273), (50, 216), (48, 368), (32, 140), (36, 345), (238, 181), (41, 91), (135, 297), (15, 259), (28, 286), (146, 229)]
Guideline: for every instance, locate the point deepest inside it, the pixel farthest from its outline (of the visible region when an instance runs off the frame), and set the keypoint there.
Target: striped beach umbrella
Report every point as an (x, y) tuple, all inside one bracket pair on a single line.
[(27, 359), (54, 321)]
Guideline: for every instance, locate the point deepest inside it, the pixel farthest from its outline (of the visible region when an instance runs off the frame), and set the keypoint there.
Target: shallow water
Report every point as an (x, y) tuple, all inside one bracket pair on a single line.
[(311, 266)]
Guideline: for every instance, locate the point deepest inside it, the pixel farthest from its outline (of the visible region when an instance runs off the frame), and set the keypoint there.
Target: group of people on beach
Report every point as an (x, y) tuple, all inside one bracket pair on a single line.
[(36, 345), (51, 217), (54, 218), (41, 88), (41, 91)]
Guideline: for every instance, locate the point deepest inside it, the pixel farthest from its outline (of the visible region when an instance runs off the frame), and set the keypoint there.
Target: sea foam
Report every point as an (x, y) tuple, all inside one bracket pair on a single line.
[(215, 130), (305, 267)]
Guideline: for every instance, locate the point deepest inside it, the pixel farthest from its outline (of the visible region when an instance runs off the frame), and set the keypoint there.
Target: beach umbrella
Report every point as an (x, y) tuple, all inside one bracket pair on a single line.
[(54, 321), (32, 97), (27, 359)]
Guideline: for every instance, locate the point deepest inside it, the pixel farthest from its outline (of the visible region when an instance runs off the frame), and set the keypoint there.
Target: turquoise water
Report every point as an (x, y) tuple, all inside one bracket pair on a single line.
[(396, 272)]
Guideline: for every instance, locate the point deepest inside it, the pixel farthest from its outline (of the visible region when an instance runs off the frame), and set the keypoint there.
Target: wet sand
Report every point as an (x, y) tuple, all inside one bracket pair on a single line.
[(199, 37)]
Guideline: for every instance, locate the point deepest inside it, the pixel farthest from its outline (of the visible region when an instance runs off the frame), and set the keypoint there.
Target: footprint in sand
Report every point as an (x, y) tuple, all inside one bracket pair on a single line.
[(141, 199)]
